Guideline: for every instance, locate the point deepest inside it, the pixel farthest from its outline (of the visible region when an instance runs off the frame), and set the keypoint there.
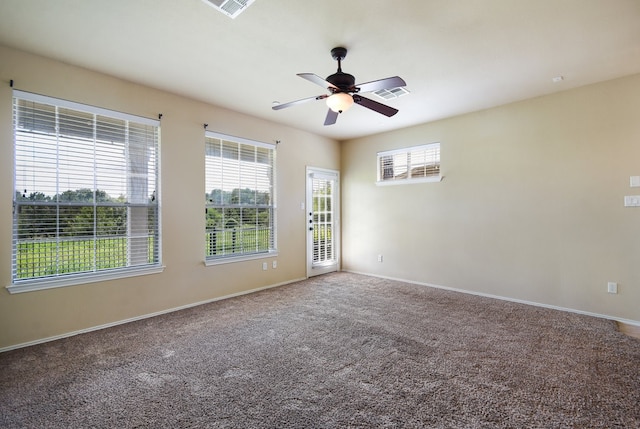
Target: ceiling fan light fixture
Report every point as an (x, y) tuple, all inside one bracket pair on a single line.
[(339, 102)]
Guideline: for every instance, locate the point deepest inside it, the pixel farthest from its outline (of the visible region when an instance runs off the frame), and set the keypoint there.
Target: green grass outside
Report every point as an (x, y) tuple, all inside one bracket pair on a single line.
[(36, 259), (236, 241)]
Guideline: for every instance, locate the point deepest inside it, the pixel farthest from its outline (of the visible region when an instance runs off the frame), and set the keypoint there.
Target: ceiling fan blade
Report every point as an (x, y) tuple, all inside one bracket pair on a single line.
[(376, 85), (293, 103), (374, 105), (314, 78), (331, 117)]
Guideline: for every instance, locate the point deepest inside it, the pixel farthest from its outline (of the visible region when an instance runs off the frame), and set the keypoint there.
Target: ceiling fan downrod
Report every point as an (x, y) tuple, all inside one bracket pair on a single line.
[(339, 54)]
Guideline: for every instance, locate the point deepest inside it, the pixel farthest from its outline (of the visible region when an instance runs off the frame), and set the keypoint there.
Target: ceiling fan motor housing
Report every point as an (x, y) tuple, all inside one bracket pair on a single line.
[(344, 81)]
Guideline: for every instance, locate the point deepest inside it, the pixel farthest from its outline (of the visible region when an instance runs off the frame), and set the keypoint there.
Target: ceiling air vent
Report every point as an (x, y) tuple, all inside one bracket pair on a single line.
[(388, 94), (231, 8)]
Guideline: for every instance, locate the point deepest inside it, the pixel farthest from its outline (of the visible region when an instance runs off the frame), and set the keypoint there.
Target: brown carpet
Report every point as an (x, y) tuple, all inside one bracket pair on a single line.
[(341, 350)]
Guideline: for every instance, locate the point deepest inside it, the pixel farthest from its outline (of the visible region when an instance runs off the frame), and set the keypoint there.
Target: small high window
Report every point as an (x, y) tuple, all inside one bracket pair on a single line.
[(409, 165)]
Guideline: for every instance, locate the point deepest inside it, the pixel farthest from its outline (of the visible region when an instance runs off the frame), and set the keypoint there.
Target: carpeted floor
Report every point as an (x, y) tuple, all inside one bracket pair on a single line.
[(336, 351)]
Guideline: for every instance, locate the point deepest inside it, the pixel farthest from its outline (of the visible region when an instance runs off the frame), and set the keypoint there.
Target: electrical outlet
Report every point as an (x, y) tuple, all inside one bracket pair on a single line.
[(379, 258), (274, 264), (264, 266), (612, 287)]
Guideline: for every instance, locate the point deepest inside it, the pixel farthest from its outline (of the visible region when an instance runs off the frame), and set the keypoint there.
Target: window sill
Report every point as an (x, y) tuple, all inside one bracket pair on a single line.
[(72, 280), (409, 181), (232, 259)]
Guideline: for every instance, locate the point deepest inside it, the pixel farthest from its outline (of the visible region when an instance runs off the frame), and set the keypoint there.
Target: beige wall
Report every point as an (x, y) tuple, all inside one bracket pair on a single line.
[(32, 316), (530, 208)]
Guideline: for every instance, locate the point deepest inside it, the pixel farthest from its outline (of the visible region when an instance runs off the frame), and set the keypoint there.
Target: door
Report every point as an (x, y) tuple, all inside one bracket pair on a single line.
[(323, 222)]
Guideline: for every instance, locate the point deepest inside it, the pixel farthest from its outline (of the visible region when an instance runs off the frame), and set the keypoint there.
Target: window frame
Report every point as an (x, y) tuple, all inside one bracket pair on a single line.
[(40, 281), (408, 151), (272, 251)]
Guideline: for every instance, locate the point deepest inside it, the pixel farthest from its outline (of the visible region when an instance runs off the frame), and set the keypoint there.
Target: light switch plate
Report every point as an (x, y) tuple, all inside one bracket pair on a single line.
[(632, 201), (634, 181)]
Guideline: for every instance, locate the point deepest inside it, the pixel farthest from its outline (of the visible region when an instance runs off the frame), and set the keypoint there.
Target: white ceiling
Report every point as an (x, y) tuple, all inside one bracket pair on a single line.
[(456, 56)]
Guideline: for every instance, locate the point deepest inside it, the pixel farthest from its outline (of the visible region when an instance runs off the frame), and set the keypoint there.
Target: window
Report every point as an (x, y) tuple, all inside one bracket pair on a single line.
[(413, 164), (240, 200), (86, 193)]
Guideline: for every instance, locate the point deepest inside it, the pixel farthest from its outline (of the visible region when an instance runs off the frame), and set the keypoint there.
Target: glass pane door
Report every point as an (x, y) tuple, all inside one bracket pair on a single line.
[(323, 226)]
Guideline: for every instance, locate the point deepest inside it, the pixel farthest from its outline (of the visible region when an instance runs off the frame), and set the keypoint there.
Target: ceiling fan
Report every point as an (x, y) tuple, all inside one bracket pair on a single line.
[(344, 92)]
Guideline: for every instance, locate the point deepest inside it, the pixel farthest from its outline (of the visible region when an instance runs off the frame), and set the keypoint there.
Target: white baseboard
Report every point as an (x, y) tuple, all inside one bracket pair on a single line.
[(503, 298), (144, 316)]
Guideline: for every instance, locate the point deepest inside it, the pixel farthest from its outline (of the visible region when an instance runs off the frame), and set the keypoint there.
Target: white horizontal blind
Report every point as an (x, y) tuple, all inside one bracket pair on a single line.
[(410, 164), (240, 199), (86, 184)]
